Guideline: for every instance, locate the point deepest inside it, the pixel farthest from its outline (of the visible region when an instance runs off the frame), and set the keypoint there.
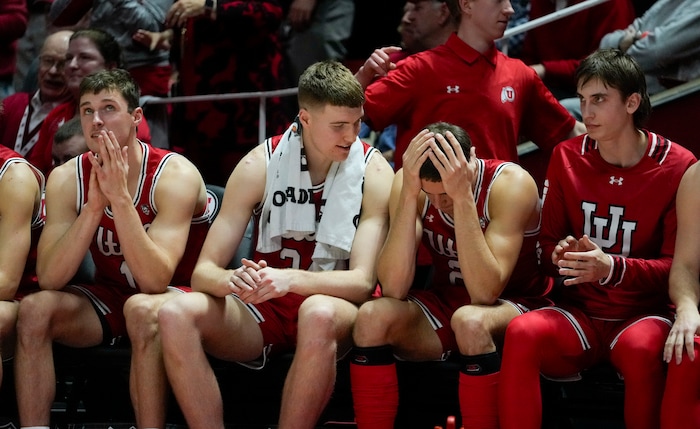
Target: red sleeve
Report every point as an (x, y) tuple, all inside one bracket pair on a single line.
[(389, 99), (546, 122), (561, 71), (652, 274)]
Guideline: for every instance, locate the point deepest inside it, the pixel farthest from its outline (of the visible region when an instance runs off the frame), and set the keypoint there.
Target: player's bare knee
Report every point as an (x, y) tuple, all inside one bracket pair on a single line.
[(468, 322), (8, 319), (371, 324), (320, 320), (169, 317), (34, 315), (140, 309), (471, 332), (141, 315)]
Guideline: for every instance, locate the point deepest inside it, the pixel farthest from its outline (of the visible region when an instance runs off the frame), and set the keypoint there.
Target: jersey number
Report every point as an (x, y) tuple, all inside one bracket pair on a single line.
[(124, 269), (293, 255), (456, 273)]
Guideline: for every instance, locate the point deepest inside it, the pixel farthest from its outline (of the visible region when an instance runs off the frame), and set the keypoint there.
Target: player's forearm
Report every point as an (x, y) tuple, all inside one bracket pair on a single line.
[(480, 269), (684, 289), (396, 268), (15, 241), (354, 285), (483, 276), (211, 279), (150, 265), (396, 263), (59, 260)]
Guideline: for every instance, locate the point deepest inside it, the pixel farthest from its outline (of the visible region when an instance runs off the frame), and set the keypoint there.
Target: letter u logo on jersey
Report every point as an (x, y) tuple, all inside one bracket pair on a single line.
[(596, 226), (507, 94), (106, 243)]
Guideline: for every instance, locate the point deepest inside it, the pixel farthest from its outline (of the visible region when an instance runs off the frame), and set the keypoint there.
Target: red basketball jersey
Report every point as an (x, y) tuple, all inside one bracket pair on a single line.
[(629, 212), (110, 266), (439, 239)]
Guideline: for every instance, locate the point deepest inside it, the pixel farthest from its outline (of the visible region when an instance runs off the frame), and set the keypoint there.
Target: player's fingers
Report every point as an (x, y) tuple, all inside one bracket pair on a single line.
[(669, 347), (690, 344)]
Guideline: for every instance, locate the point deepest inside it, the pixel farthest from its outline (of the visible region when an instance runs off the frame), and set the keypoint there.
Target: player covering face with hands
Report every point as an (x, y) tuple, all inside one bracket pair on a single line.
[(478, 218)]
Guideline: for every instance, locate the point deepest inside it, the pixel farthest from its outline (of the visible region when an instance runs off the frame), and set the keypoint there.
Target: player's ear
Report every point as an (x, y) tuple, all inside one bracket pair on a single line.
[(137, 114), (633, 102), (304, 117)]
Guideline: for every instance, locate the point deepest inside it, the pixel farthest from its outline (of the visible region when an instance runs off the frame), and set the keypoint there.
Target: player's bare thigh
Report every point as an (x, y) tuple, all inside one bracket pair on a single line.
[(228, 330), (72, 319)]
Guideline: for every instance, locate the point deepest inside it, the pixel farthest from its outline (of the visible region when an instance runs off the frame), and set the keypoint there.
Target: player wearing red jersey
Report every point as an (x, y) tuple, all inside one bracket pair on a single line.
[(21, 222), (479, 219), (681, 402), (469, 83), (131, 206), (609, 226), (314, 262)]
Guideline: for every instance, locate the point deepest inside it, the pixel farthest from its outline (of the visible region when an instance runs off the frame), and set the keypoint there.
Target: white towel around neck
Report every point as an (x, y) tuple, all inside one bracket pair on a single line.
[(342, 192)]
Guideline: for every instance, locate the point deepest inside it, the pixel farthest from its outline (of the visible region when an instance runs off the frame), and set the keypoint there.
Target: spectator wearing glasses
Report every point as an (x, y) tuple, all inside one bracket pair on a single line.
[(24, 112), (89, 51)]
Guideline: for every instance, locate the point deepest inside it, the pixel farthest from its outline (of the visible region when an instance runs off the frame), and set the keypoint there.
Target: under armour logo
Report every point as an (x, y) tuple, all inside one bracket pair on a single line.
[(616, 180), (451, 89), (429, 218)]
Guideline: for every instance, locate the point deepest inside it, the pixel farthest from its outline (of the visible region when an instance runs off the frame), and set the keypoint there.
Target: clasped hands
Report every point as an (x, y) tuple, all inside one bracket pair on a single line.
[(255, 282)]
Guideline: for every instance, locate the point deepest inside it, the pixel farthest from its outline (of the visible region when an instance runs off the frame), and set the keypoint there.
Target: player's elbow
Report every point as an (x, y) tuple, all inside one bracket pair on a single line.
[(484, 299), (48, 281), (156, 283), (486, 296)]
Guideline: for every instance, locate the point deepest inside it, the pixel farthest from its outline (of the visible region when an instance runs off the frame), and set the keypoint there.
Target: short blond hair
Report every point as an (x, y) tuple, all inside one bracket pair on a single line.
[(329, 83)]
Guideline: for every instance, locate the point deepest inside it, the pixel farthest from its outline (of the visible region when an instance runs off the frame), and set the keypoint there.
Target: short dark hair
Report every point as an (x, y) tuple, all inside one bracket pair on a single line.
[(68, 130), (118, 80), (329, 82), (427, 170), (618, 70), (105, 43)]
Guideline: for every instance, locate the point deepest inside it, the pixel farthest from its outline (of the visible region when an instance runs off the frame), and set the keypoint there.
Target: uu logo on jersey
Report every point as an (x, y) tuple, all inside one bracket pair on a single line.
[(507, 94)]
